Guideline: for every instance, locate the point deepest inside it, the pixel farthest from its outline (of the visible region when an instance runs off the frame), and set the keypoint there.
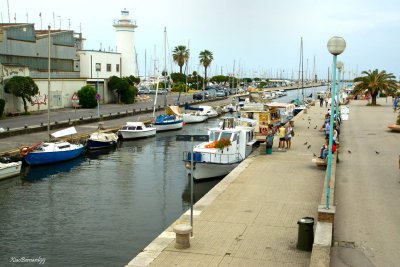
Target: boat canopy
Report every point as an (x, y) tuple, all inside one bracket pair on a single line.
[(174, 110), (189, 107), (65, 132)]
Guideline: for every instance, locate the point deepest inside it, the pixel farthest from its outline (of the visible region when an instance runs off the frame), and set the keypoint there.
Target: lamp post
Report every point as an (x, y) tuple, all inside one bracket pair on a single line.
[(336, 46), (98, 68), (339, 66)]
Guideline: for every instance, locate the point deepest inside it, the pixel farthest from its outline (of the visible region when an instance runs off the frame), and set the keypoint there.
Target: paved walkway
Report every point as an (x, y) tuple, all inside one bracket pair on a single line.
[(366, 229), (250, 217)]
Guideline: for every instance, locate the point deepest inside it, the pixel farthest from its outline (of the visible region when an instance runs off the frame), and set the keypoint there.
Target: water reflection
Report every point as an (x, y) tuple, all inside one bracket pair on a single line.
[(37, 173)]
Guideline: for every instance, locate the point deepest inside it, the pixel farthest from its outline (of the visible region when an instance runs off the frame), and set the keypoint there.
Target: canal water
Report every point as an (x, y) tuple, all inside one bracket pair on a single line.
[(101, 209)]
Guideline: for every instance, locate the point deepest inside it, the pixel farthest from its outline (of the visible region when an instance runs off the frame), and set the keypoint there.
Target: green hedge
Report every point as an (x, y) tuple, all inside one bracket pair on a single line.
[(2, 106)]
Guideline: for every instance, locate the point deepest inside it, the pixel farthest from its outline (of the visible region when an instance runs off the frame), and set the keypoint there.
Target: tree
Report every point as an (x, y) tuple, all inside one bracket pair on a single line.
[(180, 55), (178, 77), (22, 86), (219, 79), (206, 57), (118, 85), (375, 82), (87, 97)]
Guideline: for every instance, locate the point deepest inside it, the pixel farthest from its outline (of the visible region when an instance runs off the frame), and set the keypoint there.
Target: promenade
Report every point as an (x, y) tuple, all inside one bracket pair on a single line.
[(250, 218)]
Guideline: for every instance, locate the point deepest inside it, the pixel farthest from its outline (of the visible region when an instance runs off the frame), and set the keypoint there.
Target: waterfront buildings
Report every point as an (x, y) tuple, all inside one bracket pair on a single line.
[(24, 52)]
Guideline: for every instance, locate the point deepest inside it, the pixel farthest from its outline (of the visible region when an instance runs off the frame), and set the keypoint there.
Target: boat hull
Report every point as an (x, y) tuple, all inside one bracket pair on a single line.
[(189, 118), (136, 134), (169, 126), (10, 169), (207, 170), (40, 158), (95, 144)]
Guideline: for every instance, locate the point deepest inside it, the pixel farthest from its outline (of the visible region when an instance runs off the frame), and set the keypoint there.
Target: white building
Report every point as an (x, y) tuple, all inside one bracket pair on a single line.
[(125, 41)]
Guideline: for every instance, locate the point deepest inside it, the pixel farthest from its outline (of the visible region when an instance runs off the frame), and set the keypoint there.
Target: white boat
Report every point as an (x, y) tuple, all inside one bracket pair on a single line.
[(193, 117), (134, 130), (209, 111), (228, 145), (53, 151), (10, 169), (99, 140)]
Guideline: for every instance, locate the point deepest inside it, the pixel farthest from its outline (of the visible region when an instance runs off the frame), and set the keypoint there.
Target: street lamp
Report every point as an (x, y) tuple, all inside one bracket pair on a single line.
[(336, 46), (98, 68), (339, 66)]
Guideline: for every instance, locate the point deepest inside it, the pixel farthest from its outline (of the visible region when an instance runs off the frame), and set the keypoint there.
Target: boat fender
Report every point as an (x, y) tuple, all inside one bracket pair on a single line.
[(24, 151)]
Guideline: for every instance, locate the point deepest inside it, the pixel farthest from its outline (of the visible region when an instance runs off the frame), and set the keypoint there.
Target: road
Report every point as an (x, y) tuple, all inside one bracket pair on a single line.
[(366, 228), (70, 113)]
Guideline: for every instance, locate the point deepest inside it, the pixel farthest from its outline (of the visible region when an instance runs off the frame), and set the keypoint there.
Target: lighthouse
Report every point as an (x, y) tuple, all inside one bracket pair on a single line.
[(125, 41)]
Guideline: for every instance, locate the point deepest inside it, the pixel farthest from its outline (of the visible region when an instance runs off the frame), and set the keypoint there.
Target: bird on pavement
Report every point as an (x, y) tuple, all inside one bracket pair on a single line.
[(315, 127), (348, 151), (314, 155), (308, 146), (377, 152), (305, 143)]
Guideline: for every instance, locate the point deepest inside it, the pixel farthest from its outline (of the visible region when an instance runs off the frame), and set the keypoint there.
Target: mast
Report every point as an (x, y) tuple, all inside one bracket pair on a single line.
[(165, 67), (48, 85), (301, 60)]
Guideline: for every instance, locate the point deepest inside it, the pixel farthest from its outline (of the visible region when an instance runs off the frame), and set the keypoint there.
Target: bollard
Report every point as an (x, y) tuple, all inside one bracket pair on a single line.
[(182, 232)]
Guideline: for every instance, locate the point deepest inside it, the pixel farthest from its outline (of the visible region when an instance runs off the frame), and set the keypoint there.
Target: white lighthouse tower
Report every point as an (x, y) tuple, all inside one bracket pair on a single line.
[(125, 41)]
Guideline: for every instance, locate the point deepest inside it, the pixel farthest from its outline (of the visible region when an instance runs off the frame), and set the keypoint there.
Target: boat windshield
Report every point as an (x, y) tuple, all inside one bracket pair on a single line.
[(225, 135)]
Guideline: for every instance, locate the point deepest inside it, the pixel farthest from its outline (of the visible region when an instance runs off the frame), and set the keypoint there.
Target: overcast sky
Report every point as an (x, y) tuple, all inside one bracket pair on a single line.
[(262, 36)]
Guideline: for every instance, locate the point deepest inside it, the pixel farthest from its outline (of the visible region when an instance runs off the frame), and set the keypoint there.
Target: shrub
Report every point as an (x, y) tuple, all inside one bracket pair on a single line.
[(128, 96), (2, 105), (398, 119), (87, 97)]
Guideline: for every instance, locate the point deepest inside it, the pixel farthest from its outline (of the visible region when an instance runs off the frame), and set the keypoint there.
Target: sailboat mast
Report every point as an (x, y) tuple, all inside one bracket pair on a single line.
[(165, 67), (48, 84), (301, 58)]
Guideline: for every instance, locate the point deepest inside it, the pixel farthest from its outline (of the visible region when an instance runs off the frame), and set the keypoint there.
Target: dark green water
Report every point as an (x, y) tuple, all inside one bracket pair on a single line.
[(97, 210)]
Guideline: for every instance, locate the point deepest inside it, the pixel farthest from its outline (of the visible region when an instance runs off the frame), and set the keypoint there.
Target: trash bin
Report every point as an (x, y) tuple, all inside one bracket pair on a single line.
[(305, 237)]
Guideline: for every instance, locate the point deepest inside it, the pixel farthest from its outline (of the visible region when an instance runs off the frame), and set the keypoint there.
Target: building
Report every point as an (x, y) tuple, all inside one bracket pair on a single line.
[(125, 41)]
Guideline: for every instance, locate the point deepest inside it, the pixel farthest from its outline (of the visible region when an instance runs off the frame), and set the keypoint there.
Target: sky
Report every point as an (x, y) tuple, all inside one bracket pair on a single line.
[(256, 38)]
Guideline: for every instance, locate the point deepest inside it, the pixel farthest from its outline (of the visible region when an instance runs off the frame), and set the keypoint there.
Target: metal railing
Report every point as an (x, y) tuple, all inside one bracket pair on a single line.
[(220, 158)]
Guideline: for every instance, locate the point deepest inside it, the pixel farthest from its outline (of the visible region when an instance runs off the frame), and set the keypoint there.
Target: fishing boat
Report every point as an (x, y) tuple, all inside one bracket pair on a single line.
[(52, 151), (135, 130), (99, 140), (10, 169), (229, 144)]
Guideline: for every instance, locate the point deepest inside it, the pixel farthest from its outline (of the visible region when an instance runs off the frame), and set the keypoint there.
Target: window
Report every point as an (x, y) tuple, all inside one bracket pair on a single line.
[(117, 67), (108, 67)]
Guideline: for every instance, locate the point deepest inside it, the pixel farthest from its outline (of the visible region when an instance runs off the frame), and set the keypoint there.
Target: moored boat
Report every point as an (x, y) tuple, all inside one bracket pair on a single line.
[(53, 151), (99, 140), (10, 169), (229, 144), (135, 130), (172, 120)]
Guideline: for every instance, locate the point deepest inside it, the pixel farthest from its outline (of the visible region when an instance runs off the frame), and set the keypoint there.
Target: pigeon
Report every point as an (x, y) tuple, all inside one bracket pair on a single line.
[(377, 152), (314, 155), (315, 127), (309, 122), (348, 151), (305, 143), (308, 127), (308, 146)]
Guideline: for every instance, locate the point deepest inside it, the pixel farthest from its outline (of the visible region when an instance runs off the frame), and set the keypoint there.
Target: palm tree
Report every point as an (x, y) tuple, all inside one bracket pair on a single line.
[(206, 57), (180, 56), (375, 82)]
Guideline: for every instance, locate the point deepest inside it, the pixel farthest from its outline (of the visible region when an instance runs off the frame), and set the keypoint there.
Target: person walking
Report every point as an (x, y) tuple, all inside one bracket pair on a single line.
[(321, 101), (395, 103)]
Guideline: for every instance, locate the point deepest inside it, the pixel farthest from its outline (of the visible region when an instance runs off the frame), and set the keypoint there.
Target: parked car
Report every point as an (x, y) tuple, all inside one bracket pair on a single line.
[(200, 95), (221, 93), (143, 90)]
